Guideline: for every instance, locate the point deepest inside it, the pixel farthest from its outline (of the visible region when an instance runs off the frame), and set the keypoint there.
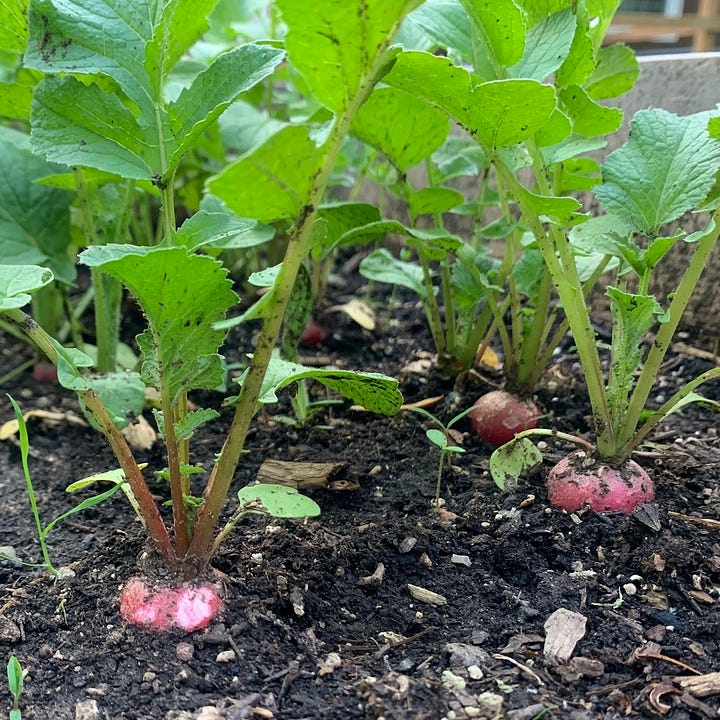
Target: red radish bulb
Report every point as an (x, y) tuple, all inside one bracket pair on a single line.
[(168, 607), (313, 334), (578, 481), (44, 371), (498, 416)]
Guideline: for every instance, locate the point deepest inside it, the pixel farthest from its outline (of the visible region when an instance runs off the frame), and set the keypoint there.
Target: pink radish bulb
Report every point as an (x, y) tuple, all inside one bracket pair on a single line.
[(578, 481), (169, 607), (498, 416)]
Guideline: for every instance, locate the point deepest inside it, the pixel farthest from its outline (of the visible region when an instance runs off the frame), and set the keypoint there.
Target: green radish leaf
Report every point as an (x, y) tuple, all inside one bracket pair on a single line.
[(499, 113), (272, 181), (214, 89), (500, 35), (29, 237), (14, 677), (602, 233), (432, 200), (434, 242), (180, 25), (336, 46), (18, 281), (122, 394), (297, 314), (405, 129), (16, 96), (243, 126), (666, 168), (192, 421), (615, 72), (561, 210), (12, 20), (527, 273), (512, 461), (216, 226), (182, 296), (334, 220), (80, 124), (555, 130), (439, 24), (375, 392), (382, 266), (588, 117), (95, 37), (134, 44), (459, 157), (570, 148), (633, 316), (547, 44), (279, 501), (437, 437), (580, 61)]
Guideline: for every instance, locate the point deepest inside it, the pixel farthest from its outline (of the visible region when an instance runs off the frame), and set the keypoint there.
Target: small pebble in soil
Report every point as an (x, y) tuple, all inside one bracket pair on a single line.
[(184, 651), (475, 673), (225, 656), (88, 710)]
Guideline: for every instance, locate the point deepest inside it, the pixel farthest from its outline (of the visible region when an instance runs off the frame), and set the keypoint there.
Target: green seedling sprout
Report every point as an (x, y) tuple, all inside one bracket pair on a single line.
[(43, 532), (15, 686), (440, 437), (24, 454), (273, 500)]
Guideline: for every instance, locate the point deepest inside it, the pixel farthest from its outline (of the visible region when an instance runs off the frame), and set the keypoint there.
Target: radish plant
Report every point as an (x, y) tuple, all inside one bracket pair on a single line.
[(103, 104), (667, 168), (529, 102), (535, 134)]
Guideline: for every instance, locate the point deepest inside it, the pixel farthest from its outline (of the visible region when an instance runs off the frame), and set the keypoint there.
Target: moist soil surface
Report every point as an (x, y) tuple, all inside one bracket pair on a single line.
[(536, 612)]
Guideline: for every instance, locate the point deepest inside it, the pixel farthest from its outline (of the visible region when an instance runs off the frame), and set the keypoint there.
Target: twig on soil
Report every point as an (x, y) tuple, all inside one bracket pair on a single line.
[(701, 686), (651, 655), (398, 643), (684, 349), (520, 666), (707, 522)]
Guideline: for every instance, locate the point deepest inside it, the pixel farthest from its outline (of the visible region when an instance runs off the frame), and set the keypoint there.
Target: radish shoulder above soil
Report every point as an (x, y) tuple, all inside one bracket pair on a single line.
[(169, 607), (499, 415), (579, 480)]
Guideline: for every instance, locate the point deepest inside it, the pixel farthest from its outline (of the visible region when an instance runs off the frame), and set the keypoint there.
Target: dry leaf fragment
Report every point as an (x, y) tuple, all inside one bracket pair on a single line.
[(564, 629), (140, 434), (427, 596), (702, 597), (358, 311), (11, 427), (659, 690), (489, 359)]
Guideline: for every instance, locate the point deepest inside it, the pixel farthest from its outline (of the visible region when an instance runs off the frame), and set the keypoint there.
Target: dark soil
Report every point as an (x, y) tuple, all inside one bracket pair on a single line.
[(312, 628)]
